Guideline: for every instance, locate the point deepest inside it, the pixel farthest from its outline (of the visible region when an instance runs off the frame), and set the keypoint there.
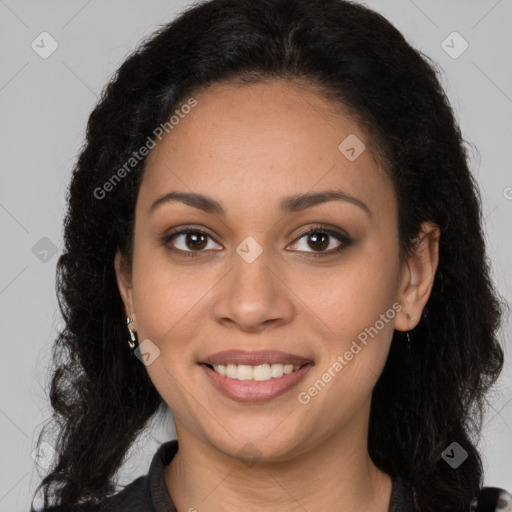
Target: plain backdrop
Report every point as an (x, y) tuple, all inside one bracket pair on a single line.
[(45, 104)]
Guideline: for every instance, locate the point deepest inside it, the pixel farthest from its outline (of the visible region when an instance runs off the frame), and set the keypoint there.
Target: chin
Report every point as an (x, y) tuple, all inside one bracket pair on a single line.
[(252, 449)]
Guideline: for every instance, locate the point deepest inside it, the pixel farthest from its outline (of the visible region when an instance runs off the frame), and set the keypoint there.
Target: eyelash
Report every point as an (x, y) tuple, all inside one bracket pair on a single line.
[(341, 237)]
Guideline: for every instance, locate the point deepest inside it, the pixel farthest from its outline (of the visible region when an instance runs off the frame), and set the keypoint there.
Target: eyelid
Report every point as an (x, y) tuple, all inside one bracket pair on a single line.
[(324, 228)]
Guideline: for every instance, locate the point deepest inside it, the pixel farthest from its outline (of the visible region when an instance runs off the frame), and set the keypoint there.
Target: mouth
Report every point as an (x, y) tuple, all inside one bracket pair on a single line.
[(254, 376), (260, 373), (260, 366)]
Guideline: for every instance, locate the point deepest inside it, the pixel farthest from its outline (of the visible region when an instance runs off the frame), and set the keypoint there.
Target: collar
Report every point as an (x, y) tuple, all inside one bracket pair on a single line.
[(157, 495)]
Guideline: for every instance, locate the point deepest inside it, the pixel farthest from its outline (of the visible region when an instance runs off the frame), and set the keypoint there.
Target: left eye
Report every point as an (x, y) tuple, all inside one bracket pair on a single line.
[(320, 239)]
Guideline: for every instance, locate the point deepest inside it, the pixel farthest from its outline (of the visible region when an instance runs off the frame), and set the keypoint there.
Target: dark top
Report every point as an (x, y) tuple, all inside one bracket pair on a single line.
[(149, 493)]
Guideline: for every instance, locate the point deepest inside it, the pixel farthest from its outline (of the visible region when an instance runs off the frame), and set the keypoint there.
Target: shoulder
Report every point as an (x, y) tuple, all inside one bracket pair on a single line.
[(492, 499), (146, 493), (489, 499)]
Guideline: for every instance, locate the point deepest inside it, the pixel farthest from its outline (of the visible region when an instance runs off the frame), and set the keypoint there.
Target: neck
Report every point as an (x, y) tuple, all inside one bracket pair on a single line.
[(333, 474)]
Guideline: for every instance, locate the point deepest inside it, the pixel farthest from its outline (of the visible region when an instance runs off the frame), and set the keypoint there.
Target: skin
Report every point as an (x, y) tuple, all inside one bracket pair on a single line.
[(248, 147)]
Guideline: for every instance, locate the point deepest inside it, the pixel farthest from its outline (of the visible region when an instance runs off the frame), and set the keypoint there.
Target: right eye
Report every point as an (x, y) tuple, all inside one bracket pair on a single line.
[(192, 240)]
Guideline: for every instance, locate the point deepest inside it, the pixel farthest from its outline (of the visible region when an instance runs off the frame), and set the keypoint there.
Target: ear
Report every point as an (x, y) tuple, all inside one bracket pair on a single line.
[(124, 284), (418, 273)]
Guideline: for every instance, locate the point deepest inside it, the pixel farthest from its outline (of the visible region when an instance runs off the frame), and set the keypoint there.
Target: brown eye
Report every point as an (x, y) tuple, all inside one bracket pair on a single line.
[(318, 239), (187, 241), (196, 240)]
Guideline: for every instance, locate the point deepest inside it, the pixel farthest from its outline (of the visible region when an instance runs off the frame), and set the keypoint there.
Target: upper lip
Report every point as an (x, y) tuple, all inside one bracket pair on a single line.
[(254, 358)]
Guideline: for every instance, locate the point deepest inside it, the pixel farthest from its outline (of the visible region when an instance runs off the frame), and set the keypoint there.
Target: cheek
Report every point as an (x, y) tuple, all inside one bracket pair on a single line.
[(170, 312), (350, 297), (357, 306), (168, 298)]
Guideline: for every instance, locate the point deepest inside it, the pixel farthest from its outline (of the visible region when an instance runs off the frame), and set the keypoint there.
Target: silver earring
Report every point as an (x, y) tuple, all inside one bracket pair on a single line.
[(133, 337), (408, 337)]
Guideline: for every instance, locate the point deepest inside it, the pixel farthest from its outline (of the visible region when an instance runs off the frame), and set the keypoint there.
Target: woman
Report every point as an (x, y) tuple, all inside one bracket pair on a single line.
[(274, 198)]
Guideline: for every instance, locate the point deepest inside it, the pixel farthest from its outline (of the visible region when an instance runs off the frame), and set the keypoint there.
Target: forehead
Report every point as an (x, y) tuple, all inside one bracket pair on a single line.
[(265, 139)]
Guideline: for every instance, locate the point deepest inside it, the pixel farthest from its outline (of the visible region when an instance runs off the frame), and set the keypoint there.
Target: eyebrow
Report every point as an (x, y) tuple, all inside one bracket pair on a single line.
[(289, 204)]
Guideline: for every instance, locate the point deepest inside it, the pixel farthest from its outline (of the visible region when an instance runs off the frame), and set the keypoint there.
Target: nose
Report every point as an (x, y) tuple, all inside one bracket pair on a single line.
[(253, 295)]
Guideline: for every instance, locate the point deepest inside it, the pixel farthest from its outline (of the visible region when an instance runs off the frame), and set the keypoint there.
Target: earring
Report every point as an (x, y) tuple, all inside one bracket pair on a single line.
[(133, 337), (408, 337)]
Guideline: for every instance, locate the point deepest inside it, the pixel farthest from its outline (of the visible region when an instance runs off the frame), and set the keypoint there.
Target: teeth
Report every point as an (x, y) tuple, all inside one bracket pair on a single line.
[(259, 373)]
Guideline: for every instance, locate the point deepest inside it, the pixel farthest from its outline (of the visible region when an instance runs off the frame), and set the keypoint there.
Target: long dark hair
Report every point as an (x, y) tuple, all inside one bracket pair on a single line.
[(427, 396)]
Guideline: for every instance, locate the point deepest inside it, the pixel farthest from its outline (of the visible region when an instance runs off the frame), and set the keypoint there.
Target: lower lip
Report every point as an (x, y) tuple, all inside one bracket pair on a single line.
[(253, 390)]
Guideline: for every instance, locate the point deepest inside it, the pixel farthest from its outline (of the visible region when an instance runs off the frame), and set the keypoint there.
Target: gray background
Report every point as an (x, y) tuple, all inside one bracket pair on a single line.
[(45, 104)]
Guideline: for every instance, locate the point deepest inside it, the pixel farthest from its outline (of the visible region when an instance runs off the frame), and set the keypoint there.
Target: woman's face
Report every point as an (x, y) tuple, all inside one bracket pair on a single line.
[(255, 282)]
